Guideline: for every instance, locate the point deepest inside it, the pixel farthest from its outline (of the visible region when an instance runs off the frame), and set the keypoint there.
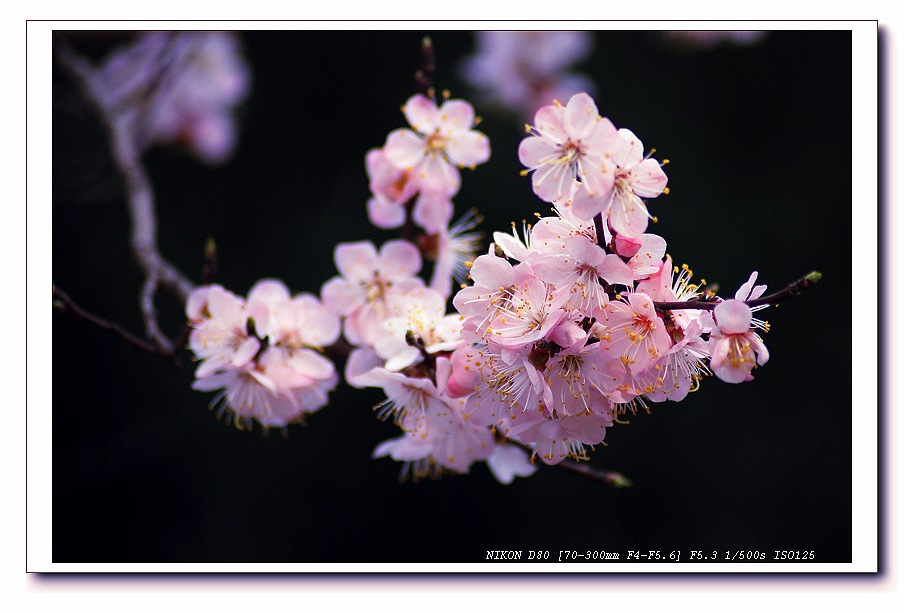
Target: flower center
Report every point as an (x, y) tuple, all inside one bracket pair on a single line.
[(572, 151), (436, 143), (739, 351), (375, 292)]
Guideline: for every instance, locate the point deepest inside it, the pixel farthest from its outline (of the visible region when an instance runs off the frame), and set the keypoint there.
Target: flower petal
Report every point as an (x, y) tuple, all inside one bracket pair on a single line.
[(356, 261), (421, 113), (581, 116), (399, 258), (404, 149), (468, 148), (454, 116), (733, 317)]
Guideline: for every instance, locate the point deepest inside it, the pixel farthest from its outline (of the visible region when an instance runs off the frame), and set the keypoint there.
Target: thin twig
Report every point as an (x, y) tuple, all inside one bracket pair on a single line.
[(608, 477), (792, 290), (65, 304), (425, 76)]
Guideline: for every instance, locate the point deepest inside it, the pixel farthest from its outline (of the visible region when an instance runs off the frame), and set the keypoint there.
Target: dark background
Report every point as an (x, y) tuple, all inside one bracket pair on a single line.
[(759, 140)]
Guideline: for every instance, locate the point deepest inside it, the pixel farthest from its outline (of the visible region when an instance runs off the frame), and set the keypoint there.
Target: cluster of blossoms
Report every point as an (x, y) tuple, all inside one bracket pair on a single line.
[(180, 87), (522, 71), (555, 332), (557, 329), (263, 352), (415, 175)]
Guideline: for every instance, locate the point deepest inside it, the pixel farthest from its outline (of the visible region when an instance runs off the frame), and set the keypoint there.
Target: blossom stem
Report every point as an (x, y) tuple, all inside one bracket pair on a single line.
[(794, 289), (425, 76)]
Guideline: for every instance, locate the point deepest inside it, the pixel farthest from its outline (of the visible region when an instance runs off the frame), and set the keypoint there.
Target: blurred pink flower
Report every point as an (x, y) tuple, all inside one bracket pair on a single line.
[(180, 87), (522, 71), (262, 352), (710, 39)]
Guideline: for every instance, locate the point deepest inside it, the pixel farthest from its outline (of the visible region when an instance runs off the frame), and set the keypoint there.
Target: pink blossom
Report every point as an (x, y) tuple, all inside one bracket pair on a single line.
[(508, 461), (637, 177), (577, 378), (437, 430), (367, 280), (416, 321), (220, 335), (646, 260), (181, 87), (442, 142), (249, 394), (577, 269), (679, 370), (460, 443), (735, 348), (290, 321), (633, 332), (673, 284), (391, 188), (494, 280), (571, 143), (521, 71), (263, 352), (465, 375), (409, 400), (554, 440), (523, 314), (509, 387)]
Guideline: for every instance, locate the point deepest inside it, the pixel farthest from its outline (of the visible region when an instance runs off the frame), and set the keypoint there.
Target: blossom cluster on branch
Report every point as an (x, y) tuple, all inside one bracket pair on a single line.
[(561, 328), (521, 351)]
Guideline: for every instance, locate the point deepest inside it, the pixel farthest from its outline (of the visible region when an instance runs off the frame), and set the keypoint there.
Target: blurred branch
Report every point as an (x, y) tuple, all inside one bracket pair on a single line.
[(139, 194), (424, 77)]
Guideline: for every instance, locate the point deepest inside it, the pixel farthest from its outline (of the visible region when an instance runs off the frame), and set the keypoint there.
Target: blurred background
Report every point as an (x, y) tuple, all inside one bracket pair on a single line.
[(758, 134)]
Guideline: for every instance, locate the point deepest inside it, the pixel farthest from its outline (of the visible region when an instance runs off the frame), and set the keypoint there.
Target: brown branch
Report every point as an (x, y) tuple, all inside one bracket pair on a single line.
[(608, 477), (425, 76), (66, 305), (139, 193), (792, 290)]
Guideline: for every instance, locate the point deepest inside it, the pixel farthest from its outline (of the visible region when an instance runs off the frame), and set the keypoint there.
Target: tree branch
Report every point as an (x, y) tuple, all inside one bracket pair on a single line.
[(608, 477), (424, 76), (794, 289), (139, 194), (66, 305)]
